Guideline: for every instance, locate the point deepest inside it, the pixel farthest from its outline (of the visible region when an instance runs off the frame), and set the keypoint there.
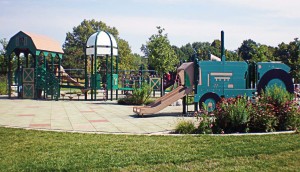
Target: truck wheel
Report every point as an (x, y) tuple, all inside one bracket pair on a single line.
[(276, 76), (210, 100)]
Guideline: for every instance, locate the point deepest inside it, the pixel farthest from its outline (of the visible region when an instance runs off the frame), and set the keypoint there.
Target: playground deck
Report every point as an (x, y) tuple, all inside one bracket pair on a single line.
[(85, 116)]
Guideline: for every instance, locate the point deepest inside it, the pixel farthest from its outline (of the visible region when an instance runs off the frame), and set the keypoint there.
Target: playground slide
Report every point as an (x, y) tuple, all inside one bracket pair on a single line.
[(73, 81), (67, 77), (164, 101)]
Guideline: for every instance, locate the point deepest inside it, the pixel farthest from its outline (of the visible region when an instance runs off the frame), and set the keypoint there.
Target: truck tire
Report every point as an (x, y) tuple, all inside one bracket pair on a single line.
[(210, 99), (276, 74)]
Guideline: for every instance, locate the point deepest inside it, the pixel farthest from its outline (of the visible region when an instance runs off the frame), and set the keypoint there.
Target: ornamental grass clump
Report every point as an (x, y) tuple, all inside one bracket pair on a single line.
[(185, 127)]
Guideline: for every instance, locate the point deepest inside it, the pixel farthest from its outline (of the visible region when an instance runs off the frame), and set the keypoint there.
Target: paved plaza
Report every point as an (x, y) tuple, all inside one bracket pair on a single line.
[(85, 116)]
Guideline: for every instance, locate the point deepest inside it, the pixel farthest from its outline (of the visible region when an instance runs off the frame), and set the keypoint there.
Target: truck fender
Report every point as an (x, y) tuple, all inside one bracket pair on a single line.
[(276, 74), (210, 95)]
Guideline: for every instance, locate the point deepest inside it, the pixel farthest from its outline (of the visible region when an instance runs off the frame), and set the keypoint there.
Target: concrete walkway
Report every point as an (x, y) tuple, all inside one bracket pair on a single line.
[(85, 116)]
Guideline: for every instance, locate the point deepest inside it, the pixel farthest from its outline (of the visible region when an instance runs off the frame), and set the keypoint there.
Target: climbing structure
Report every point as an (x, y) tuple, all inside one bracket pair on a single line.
[(101, 45), (34, 75)]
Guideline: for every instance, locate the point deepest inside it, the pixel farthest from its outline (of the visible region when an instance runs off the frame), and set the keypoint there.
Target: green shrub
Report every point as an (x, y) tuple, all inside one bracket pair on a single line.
[(139, 96), (206, 121), (292, 121), (190, 100), (185, 127), (233, 115), (125, 101), (274, 110), (3, 85), (149, 101), (276, 95), (263, 118), (130, 101), (280, 103)]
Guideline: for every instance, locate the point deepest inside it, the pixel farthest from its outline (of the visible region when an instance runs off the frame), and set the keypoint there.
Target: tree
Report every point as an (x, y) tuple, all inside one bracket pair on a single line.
[(128, 61), (76, 41), (256, 52), (203, 50), (290, 55), (247, 49), (160, 53), (187, 51), (179, 53), (3, 63), (216, 48), (262, 54), (232, 55)]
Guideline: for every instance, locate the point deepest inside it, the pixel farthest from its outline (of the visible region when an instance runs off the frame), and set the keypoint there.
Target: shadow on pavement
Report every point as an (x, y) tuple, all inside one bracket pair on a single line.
[(161, 115)]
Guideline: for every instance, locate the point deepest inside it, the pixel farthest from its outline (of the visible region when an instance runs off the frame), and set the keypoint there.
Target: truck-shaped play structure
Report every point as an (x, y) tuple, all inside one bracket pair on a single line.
[(217, 78)]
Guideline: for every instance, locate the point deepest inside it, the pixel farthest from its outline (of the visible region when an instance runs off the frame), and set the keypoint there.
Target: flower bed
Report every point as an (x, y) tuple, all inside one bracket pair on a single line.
[(274, 110)]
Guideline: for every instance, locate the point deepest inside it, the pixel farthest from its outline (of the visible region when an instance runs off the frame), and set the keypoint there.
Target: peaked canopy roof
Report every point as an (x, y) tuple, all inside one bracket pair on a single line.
[(32, 43), (102, 43)]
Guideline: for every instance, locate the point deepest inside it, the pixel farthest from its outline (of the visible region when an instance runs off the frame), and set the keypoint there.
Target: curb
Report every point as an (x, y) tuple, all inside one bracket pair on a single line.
[(161, 133)]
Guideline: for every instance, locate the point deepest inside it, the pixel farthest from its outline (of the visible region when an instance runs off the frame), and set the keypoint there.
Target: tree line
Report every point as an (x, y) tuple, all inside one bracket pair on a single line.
[(164, 57)]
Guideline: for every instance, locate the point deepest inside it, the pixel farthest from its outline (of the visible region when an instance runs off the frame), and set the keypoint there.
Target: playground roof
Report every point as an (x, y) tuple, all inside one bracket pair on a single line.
[(45, 43), (32, 43), (103, 42)]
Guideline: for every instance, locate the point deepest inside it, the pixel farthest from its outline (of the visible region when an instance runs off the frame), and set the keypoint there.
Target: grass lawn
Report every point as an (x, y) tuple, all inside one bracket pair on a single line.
[(28, 150)]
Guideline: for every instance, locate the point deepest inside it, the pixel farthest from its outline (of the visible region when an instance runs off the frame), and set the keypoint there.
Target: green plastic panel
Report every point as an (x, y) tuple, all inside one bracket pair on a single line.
[(187, 82), (98, 81), (114, 81)]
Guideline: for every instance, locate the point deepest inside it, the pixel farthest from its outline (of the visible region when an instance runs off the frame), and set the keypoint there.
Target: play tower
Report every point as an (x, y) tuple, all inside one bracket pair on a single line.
[(34, 72), (102, 55)]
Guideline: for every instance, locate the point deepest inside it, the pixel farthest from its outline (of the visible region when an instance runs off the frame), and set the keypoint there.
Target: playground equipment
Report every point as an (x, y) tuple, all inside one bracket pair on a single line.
[(217, 78), (65, 76), (40, 72), (103, 45), (35, 72), (181, 91), (128, 80)]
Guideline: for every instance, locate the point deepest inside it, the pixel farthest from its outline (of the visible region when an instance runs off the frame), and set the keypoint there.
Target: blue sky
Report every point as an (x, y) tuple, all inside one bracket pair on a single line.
[(186, 21)]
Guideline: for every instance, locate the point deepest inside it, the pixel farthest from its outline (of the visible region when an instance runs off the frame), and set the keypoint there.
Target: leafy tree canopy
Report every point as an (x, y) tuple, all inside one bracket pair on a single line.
[(290, 55), (3, 64), (203, 51), (248, 49), (160, 53), (76, 40)]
